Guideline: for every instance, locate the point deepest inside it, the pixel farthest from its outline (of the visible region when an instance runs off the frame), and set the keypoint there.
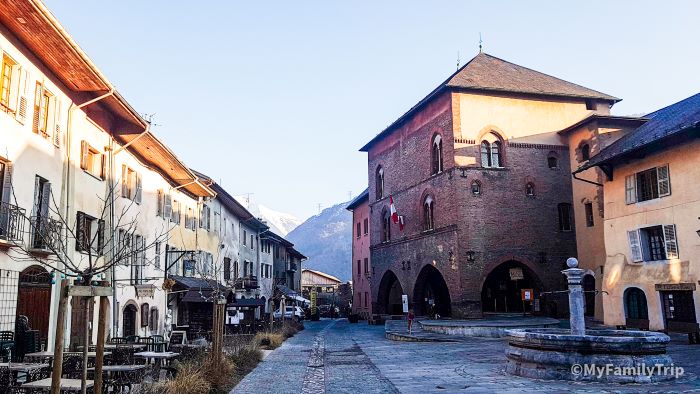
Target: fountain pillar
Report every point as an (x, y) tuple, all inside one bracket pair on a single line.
[(574, 277)]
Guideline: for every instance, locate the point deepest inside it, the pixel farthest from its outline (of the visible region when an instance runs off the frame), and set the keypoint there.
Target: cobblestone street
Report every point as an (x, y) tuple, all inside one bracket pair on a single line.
[(333, 356)]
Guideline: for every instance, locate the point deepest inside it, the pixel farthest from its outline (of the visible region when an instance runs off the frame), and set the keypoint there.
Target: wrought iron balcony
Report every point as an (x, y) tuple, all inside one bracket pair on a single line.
[(45, 235), (246, 283), (12, 222)]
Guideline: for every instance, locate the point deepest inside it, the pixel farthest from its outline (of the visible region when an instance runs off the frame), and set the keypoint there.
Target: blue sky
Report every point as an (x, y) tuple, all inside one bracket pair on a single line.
[(275, 98)]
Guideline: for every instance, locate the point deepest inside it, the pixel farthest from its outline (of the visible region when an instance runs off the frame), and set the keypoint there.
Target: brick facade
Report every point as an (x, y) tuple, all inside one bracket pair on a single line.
[(500, 224)]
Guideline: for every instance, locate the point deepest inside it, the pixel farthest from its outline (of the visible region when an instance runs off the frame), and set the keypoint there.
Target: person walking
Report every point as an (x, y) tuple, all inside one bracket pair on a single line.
[(410, 318)]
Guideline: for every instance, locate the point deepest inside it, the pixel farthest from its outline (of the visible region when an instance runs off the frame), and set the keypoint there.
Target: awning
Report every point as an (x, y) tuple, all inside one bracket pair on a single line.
[(195, 295), (287, 291), (198, 290), (302, 300), (248, 302)]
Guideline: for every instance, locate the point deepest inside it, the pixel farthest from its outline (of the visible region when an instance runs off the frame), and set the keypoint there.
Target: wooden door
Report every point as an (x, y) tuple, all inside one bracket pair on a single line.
[(34, 299), (129, 320)]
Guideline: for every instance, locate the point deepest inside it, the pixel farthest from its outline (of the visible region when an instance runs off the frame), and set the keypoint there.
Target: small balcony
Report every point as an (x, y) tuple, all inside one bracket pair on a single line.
[(12, 222), (246, 283), (291, 267), (45, 235)]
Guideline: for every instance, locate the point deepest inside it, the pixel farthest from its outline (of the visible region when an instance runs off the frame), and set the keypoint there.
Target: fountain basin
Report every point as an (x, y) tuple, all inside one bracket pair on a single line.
[(617, 355)]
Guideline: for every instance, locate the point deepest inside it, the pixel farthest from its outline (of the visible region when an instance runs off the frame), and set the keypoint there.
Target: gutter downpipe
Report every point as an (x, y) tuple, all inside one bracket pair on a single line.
[(67, 172)]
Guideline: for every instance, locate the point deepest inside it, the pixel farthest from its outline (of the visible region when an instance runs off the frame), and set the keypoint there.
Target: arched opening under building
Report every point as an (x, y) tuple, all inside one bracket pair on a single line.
[(589, 294), (34, 299), (636, 311), (390, 292), (501, 292), (129, 320), (430, 293)]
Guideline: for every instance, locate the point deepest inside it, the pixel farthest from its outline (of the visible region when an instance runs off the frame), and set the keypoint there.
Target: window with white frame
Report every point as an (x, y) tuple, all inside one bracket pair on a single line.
[(436, 155), (492, 151), (648, 185), (653, 243)]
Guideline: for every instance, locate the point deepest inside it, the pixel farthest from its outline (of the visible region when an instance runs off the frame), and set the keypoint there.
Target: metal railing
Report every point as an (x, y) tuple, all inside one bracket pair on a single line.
[(12, 222), (45, 233), (247, 282)]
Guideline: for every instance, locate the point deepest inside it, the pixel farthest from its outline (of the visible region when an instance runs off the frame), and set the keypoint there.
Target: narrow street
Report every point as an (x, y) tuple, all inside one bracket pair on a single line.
[(333, 356)]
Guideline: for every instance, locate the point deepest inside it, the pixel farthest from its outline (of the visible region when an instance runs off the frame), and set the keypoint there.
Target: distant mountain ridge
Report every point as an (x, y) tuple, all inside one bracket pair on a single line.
[(279, 222), (326, 239)]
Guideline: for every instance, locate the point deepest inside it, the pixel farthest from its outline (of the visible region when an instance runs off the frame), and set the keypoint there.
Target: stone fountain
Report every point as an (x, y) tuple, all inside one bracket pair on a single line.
[(597, 355)]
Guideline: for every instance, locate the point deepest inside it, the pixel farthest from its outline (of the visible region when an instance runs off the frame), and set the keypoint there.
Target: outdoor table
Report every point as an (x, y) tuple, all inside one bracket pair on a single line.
[(157, 357), (66, 384), (120, 368), (134, 346), (24, 367), (47, 354)]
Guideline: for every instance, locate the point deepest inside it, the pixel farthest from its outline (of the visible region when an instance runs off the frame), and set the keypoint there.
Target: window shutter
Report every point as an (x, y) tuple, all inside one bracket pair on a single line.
[(84, 152), (15, 80), (168, 206), (7, 184), (139, 193), (45, 198), (103, 166), (80, 231), (635, 245), (100, 236), (159, 204), (201, 216), (58, 119), (38, 93), (670, 240), (630, 189), (125, 181), (21, 113), (664, 180)]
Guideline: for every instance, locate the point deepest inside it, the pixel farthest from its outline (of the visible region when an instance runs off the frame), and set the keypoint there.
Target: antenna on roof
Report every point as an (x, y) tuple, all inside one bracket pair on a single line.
[(481, 49), (457, 60)]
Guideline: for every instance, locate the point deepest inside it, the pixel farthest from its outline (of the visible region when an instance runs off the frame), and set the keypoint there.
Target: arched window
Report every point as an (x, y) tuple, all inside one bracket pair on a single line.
[(530, 189), (386, 226), (437, 165), (428, 210), (476, 187), (492, 151), (496, 154), (380, 182), (552, 161), (636, 304), (585, 152)]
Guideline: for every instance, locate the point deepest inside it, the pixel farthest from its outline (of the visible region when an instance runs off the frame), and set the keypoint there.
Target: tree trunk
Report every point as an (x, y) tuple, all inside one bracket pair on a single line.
[(58, 341), (86, 345), (101, 336)]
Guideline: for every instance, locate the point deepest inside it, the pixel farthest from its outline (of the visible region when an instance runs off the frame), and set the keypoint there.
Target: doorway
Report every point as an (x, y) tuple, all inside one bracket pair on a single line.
[(34, 299), (129, 320), (501, 292)]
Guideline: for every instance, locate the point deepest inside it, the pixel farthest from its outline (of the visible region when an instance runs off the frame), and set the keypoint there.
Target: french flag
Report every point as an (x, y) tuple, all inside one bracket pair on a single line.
[(392, 210)]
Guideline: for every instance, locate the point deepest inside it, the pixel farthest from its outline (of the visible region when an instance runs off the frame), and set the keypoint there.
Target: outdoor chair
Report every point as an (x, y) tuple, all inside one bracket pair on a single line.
[(117, 340), (122, 355), (158, 344), (38, 374), (72, 366), (132, 339), (6, 379)]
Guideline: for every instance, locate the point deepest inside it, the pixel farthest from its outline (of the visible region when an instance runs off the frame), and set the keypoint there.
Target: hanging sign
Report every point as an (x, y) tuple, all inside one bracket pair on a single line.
[(527, 294), (516, 273)]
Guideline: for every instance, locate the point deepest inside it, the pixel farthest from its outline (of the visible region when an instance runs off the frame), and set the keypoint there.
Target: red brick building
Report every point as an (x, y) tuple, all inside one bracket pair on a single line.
[(482, 181), (362, 266)]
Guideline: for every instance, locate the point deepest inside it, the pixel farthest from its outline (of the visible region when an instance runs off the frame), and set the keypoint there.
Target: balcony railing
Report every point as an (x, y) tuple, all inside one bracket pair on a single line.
[(246, 283), (46, 234), (12, 222)]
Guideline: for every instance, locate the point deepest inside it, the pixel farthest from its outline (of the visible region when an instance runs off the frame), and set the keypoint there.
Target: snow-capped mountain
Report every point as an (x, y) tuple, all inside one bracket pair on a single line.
[(279, 222), (326, 239)]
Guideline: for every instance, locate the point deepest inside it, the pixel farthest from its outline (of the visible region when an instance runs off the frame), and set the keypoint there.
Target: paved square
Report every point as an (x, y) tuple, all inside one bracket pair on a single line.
[(357, 358)]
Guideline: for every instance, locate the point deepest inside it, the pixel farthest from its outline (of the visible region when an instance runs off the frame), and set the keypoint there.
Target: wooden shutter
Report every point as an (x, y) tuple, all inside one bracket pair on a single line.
[(80, 232), (103, 166), (15, 79), (57, 119), (38, 93), (159, 203), (167, 206), (7, 184), (664, 180), (201, 216), (631, 189), (635, 245), (139, 192), (84, 154), (100, 236), (45, 198), (21, 112), (670, 240), (125, 181)]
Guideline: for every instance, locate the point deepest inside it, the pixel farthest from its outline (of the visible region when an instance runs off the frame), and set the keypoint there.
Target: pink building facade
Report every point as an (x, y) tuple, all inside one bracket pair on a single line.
[(361, 264)]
